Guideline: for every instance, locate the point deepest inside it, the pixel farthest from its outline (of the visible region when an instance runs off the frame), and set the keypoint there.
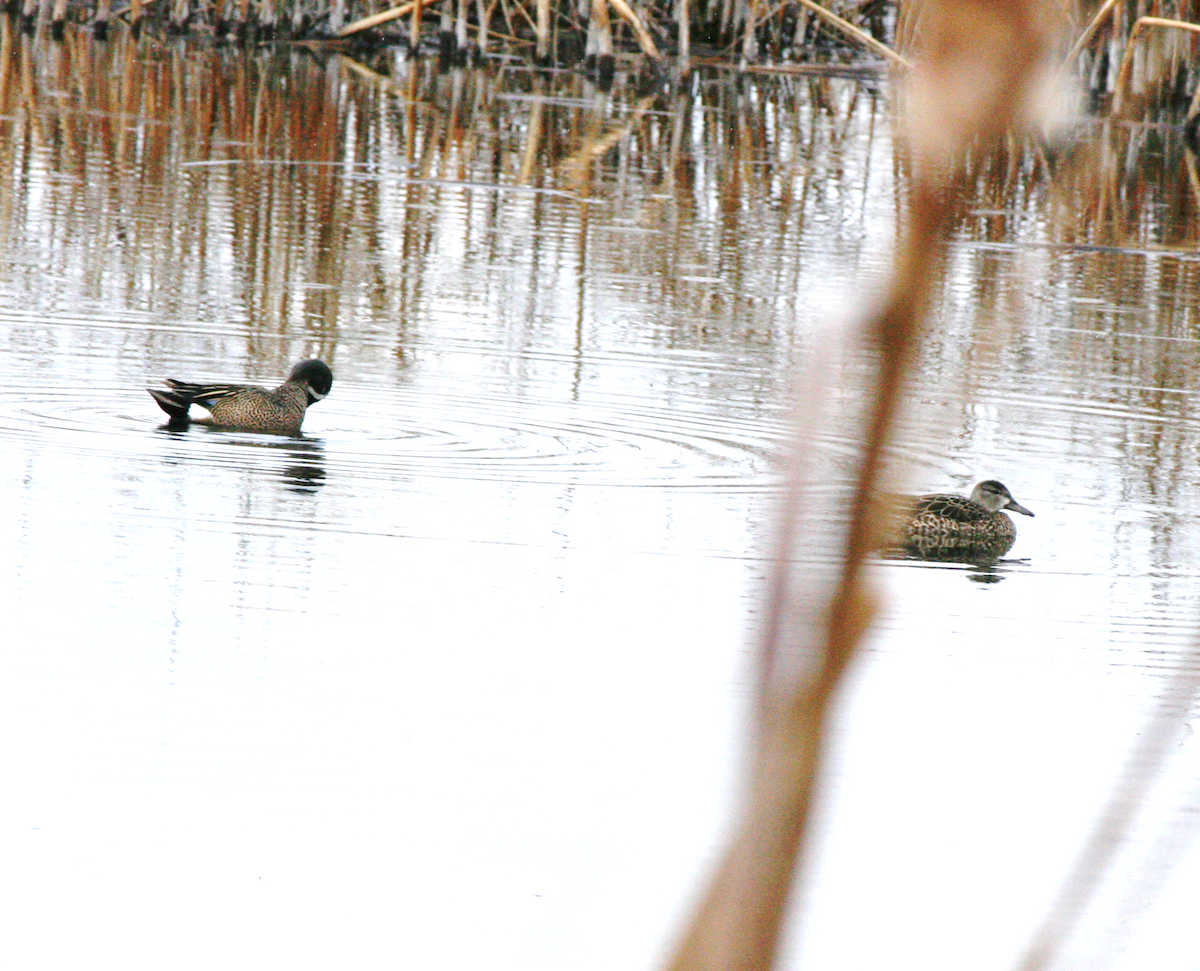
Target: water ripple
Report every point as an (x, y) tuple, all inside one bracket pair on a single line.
[(490, 437), (374, 434)]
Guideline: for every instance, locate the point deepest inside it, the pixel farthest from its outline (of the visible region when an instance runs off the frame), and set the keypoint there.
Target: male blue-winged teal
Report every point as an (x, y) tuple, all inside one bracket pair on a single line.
[(955, 527), (249, 408)]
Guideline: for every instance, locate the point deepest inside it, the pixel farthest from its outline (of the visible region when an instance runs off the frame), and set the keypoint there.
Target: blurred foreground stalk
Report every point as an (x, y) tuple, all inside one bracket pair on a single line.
[(973, 79)]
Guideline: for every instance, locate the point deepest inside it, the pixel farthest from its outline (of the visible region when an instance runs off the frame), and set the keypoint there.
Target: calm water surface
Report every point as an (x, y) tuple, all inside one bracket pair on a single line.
[(459, 678)]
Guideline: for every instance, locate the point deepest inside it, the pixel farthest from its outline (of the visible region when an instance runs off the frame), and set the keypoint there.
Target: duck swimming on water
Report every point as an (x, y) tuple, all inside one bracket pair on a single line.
[(245, 407), (949, 527)]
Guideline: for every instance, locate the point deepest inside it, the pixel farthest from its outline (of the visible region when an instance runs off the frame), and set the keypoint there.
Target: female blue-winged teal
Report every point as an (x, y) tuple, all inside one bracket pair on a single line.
[(947, 527), (249, 408)]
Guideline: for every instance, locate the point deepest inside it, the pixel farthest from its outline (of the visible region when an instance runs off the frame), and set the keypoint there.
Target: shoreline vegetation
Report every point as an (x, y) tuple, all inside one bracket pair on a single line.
[(1120, 49)]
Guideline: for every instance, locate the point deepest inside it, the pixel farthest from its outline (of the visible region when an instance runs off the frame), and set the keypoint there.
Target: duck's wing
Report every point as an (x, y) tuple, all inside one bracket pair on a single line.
[(957, 509), (207, 394)]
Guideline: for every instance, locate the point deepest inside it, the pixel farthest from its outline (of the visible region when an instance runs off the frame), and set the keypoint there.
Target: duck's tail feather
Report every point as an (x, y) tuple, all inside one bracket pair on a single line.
[(174, 403)]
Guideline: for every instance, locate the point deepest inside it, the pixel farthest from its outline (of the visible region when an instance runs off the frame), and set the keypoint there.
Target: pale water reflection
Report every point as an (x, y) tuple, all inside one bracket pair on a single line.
[(459, 677)]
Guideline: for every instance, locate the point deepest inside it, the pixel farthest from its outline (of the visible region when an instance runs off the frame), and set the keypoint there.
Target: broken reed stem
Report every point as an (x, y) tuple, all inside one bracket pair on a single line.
[(645, 41), (1127, 61), (393, 13), (857, 33), (520, 8), (1089, 32)]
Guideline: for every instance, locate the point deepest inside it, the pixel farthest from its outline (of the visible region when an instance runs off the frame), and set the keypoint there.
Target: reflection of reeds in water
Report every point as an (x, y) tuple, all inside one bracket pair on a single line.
[(286, 179)]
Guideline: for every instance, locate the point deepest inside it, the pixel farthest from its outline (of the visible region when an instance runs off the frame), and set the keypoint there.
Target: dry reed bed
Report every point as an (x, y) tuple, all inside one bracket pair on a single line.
[(1115, 42)]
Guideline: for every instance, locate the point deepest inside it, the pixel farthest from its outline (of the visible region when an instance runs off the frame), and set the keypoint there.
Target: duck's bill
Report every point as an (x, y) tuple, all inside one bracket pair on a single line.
[(1014, 506)]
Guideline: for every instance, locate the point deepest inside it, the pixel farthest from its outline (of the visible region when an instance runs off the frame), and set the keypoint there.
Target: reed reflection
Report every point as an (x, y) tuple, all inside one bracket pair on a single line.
[(289, 189)]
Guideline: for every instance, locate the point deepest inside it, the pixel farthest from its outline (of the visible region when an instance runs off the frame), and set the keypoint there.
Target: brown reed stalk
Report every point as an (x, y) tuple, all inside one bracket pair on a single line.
[(981, 60), (600, 29), (542, 30), (7, 67), (683, 19), (749, 32), (1193, 178), (485, 18), (855, 33), (414, 27), (520, 8), (507, 15), (460, 25), (392, 13), (645, 41), (1142, 24), (1089, 32)]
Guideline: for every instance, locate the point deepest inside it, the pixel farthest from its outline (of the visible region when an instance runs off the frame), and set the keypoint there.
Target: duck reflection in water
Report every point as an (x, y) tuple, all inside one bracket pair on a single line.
[(958, 529), (303, 469)]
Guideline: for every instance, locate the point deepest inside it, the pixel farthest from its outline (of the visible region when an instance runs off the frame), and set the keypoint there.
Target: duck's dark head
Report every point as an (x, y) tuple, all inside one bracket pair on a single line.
[(315, 376), (994, 496)]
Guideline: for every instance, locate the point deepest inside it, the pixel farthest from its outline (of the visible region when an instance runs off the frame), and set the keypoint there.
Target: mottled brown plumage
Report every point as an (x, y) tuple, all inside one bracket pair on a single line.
[(956, 527), (247, 407)]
